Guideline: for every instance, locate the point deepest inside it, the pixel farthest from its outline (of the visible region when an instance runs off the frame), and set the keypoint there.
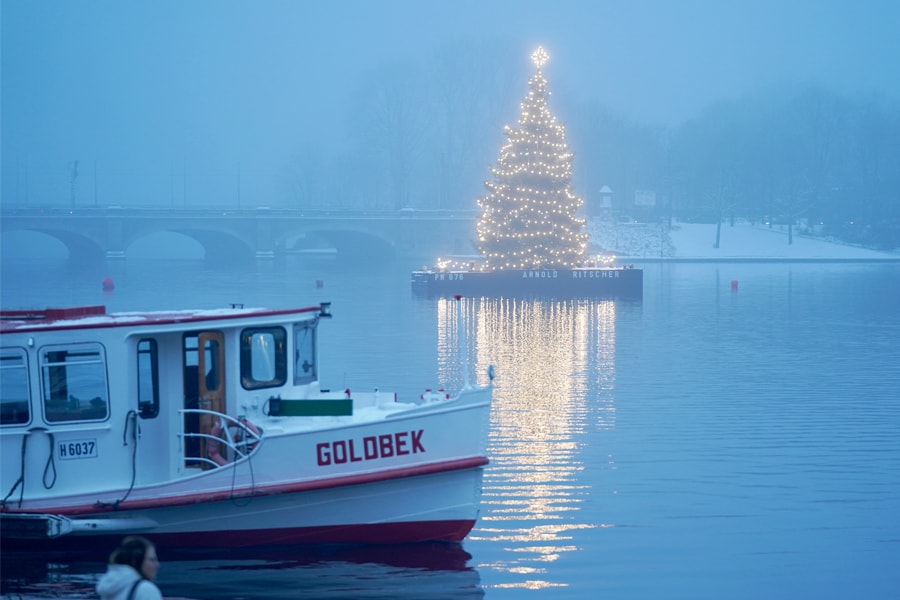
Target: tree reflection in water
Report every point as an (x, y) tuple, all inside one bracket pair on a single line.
[(555, 363)]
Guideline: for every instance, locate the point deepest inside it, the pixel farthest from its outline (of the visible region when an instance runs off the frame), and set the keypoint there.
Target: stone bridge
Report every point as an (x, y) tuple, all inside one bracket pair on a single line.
[(262, 232)]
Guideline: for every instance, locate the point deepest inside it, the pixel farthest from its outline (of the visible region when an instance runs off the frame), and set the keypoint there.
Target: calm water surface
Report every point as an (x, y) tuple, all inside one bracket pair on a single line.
[(706, 442)]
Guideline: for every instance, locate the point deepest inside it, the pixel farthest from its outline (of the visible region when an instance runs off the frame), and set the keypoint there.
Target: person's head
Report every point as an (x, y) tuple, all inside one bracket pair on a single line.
[(139, 553)]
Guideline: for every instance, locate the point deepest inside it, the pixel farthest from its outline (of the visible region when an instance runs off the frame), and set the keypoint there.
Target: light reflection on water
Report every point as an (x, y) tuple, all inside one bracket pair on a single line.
[(548, 355)]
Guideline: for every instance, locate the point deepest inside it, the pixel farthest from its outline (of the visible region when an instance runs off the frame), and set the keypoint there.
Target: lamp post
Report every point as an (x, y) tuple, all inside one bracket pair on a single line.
[(72, 179)]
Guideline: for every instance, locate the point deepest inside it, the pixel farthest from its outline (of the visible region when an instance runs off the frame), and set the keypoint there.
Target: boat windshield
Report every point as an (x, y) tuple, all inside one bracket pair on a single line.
[(263, 357)]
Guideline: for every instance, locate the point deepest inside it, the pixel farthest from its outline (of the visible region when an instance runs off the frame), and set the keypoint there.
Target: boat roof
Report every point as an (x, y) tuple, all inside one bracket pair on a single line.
[(90, 317)]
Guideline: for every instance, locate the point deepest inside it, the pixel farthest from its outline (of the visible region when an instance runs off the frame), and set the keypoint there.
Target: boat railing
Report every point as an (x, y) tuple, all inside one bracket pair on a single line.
[(239, 436)]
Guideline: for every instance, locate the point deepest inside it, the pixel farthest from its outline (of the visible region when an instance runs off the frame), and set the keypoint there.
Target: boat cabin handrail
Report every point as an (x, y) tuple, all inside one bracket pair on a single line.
[(239, 436)]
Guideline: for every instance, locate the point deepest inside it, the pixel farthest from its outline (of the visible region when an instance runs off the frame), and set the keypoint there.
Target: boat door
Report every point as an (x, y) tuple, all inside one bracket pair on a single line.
[(205, 362)]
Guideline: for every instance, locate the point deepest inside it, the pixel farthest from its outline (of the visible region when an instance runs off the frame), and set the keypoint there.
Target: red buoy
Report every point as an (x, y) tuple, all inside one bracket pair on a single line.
[(108, 284), (734, 285)]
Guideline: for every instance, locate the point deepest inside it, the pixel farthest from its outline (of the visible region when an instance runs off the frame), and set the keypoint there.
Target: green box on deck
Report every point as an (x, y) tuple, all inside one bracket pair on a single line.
[(338, 407)]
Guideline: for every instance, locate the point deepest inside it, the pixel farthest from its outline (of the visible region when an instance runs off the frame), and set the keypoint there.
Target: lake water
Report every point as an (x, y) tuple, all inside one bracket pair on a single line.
[(714, 440)]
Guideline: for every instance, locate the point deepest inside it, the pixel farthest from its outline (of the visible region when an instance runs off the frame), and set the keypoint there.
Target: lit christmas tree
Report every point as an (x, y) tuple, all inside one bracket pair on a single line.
[(528, 217)]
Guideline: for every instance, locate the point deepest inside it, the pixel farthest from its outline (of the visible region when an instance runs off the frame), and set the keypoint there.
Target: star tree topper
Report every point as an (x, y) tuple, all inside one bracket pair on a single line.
[(540, 57)]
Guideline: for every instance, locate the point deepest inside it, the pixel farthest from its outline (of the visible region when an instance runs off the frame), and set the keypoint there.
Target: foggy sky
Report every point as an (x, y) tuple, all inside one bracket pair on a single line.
[(152, 84)]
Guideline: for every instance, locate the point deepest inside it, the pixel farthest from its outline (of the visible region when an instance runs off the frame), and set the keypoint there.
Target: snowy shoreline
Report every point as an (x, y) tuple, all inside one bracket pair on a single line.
[(741, 242), (754, 259)]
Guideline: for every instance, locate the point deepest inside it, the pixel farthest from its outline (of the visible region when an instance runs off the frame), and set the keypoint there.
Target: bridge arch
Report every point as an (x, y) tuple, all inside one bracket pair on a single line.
[(348, 242), (83, 245), (217, 244)]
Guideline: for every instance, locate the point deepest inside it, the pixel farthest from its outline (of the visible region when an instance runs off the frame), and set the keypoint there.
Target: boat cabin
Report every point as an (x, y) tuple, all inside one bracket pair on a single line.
[(76, 385)]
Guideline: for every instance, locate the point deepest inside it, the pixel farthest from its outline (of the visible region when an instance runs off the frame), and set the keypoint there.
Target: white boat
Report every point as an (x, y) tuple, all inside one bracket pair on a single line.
[(209, 428)]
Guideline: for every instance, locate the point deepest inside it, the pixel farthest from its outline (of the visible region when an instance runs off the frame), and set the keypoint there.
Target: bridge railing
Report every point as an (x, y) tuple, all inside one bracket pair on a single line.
[(211, 211)]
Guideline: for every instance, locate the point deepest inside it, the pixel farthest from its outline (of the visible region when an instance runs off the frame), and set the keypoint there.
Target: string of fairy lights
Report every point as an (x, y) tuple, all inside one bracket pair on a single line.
[(528, 217)]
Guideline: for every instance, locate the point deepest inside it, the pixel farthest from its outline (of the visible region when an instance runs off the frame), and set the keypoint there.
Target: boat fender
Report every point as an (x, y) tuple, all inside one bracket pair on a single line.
[(243, 421), (212, 450), (232, 432), (238, 434)]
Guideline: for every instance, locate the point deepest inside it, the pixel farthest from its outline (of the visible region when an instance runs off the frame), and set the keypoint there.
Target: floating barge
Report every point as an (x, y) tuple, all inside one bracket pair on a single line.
[(593, 282)]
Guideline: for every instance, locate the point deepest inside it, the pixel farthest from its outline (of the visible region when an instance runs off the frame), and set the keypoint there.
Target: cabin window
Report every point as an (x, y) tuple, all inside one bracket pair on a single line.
[(210, 351), (211, 360), (74, 383), (263, 357), (191, 361), (148, 379), (14, 404), (304, 353)]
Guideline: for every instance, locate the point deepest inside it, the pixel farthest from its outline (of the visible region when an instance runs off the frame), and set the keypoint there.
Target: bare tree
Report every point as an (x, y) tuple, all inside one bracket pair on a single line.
[(391, 121), (302, 179), (471, 81)]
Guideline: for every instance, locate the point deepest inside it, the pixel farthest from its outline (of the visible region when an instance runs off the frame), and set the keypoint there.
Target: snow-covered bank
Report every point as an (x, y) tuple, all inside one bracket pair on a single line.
[(742, 241)]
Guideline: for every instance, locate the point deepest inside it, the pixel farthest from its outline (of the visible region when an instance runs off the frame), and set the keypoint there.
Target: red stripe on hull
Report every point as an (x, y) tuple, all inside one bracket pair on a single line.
[(259, 490), (380, 533)]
